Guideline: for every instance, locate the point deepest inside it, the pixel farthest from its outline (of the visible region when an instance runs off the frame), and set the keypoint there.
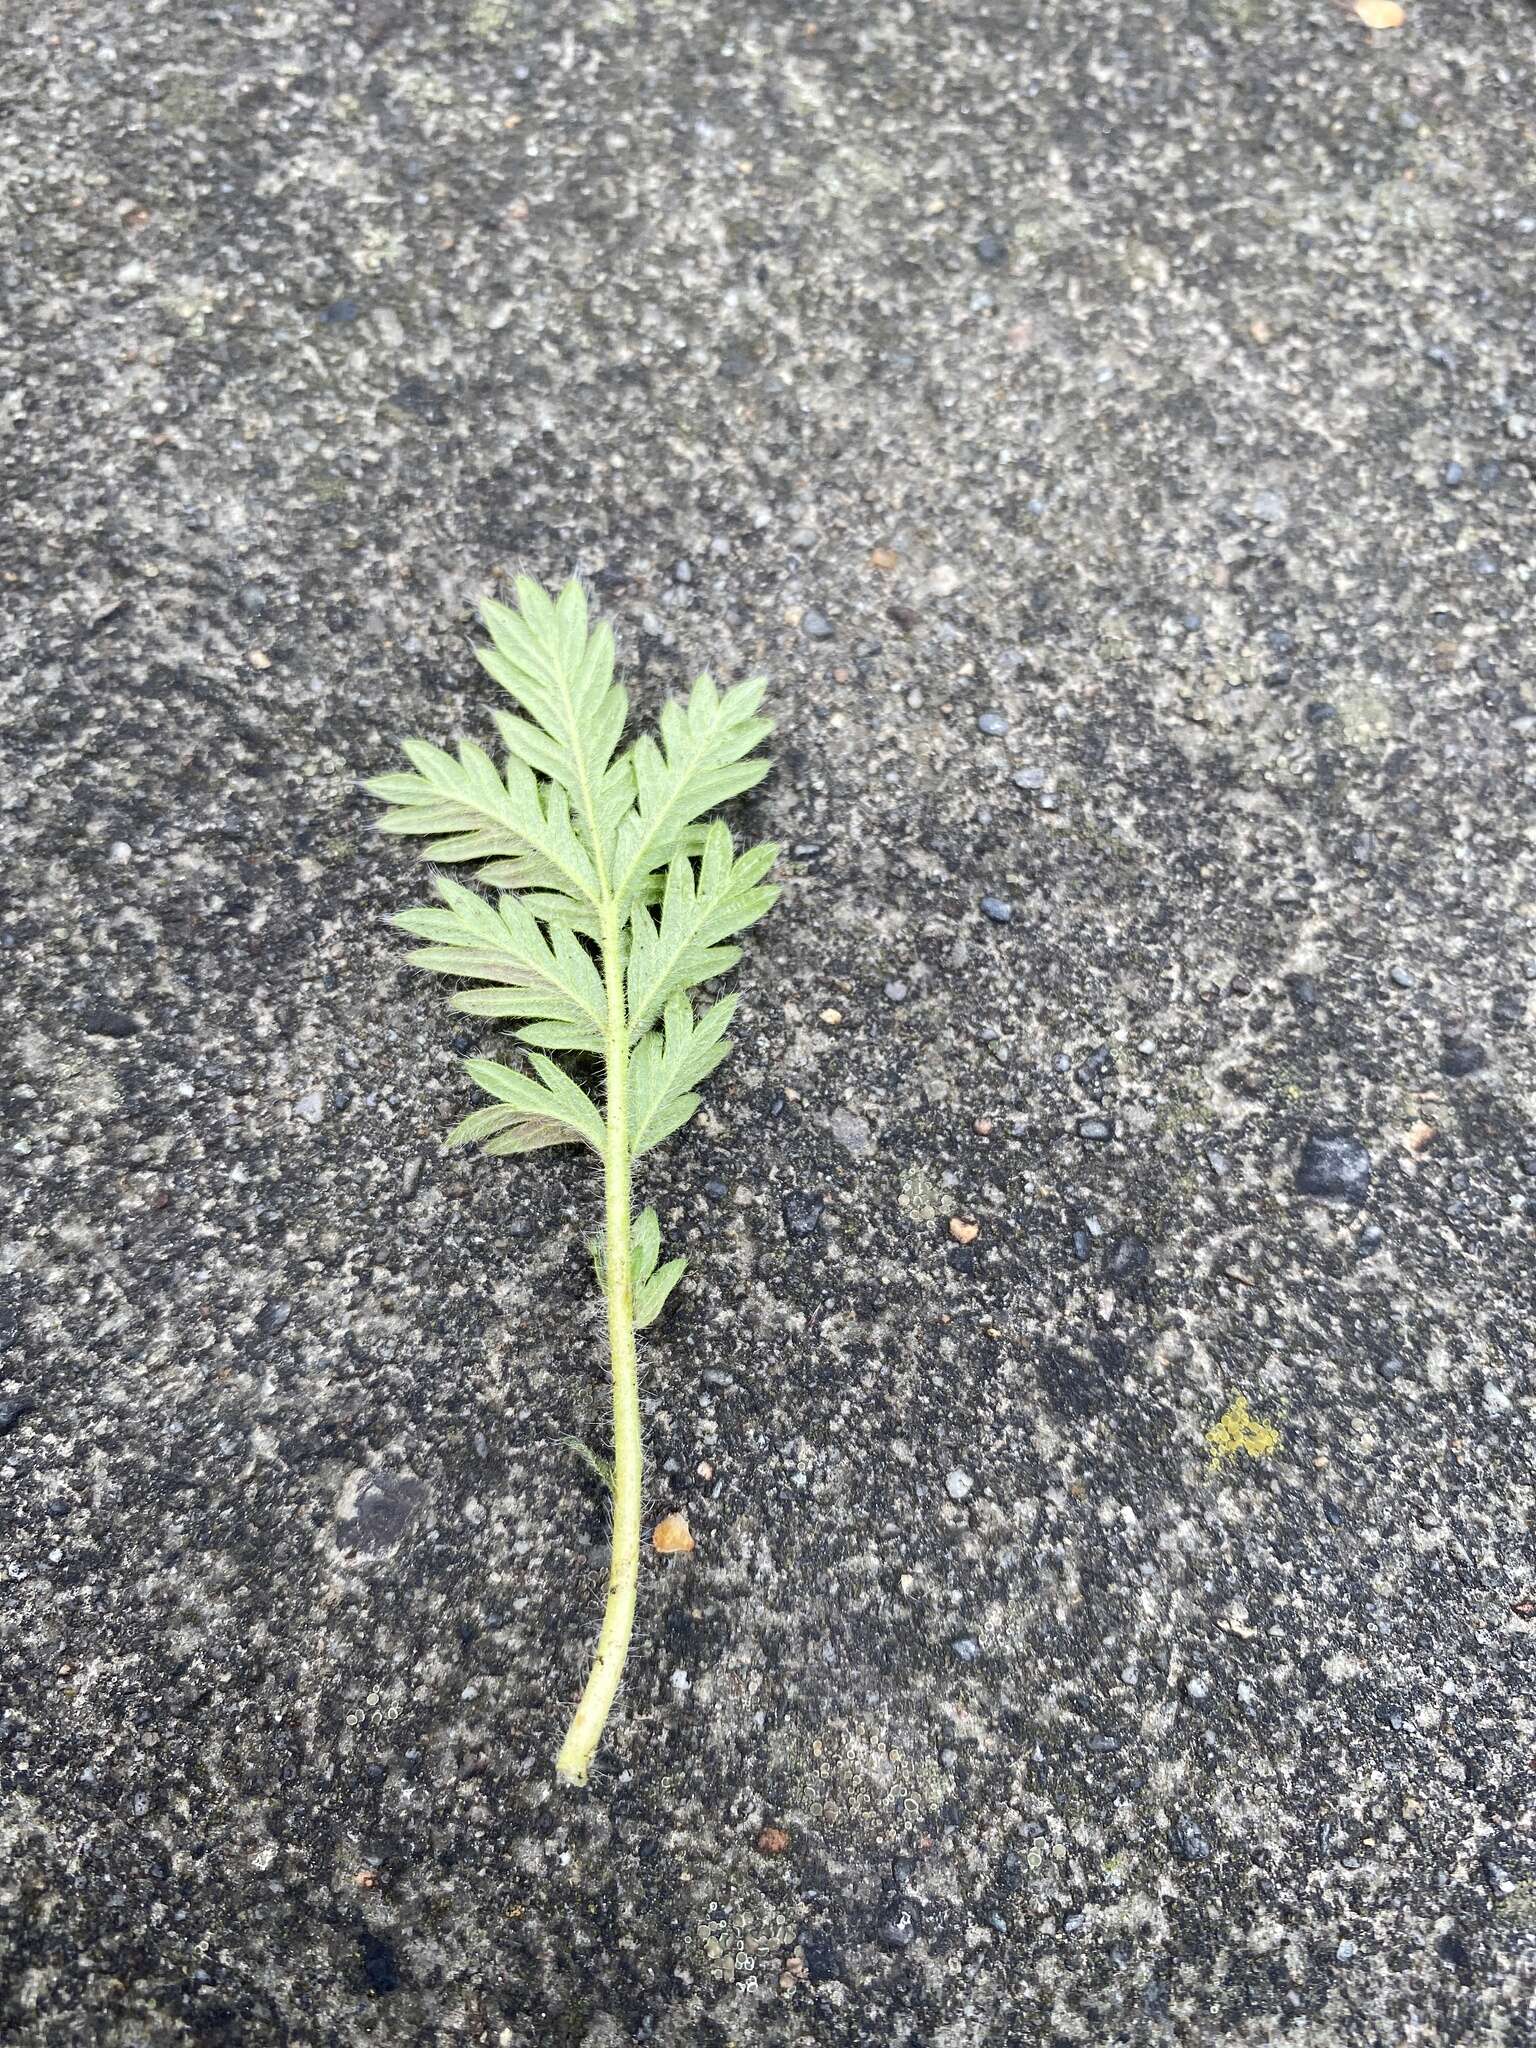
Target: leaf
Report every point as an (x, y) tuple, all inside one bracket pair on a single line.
[(562, 676), (551, 980), (617, 900), (471, 813), (644, 1246), (698, 765), (552, 1103), (1380, 13), (601, 1468), (650, 1284), (697, 912), (667, 1065), (651, 1299), (483, 1123)]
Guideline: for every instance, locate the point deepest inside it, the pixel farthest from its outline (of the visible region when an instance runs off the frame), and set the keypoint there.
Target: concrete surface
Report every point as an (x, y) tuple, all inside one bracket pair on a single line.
[(1125, 1619)]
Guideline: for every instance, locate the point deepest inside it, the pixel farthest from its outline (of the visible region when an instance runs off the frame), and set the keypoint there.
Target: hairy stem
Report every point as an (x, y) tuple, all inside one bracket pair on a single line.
[(591, 1715)]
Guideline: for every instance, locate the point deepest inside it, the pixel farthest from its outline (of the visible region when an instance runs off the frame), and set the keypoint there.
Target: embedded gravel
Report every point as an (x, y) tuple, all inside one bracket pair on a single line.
[(1110, 427)]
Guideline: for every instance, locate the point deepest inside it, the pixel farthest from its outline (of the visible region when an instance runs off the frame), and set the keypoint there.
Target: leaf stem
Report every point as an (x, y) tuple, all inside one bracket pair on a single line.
[(591, 1715)]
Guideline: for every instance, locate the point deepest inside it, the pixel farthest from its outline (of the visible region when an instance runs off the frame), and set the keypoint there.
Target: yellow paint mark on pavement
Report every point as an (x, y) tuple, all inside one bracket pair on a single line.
[(1241, 1431)]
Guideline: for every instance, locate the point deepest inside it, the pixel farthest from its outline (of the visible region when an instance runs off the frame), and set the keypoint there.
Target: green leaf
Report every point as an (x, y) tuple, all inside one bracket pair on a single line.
[(697, 912), (552, 979), (549, 1105), (618, 899), (644, 1246), (667, 1065), (698, 765), (482, 1123), (469, 812), (651, 1298), (649, 1284), (601, 1468), (562, 676)]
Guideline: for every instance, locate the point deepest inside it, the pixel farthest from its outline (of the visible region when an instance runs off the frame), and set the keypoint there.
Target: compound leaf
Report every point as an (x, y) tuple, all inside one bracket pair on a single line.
[(562, 676), (551, 979), (698, 910), (698, 765), (548, 1100), (667, 1065)]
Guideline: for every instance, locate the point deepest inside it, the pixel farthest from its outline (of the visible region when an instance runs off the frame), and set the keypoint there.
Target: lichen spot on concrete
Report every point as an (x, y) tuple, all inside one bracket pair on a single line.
[(1239, 1430)]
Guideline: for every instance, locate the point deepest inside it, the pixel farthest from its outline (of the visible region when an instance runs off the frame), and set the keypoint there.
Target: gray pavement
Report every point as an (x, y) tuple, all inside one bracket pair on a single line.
[(1111, 429)]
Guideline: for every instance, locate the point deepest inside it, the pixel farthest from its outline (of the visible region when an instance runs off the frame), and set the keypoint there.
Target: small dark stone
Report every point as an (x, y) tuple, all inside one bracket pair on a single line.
[(1391, 1368), (419, 395), (272, 1317), (1098, 1066), (995, 908), (1508, 1009), (12, 1411), (379, 1965), (342, 313), (991, 250), (802, 1212), (1302, 990), (716, 1190), (1462, 1059), (1127, 1257), (1188, 1841), (1452, 475), (385, 1506), (1488, 474), (1082, 1245), (823, 1964), (816, 626), (1094, 1129), (962, 1258), (101, 1020), (993, 724), (341, 1095), (1320, 714), (1334, 1166), (899, 1925), (1457, 1954), (1239, 985)]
